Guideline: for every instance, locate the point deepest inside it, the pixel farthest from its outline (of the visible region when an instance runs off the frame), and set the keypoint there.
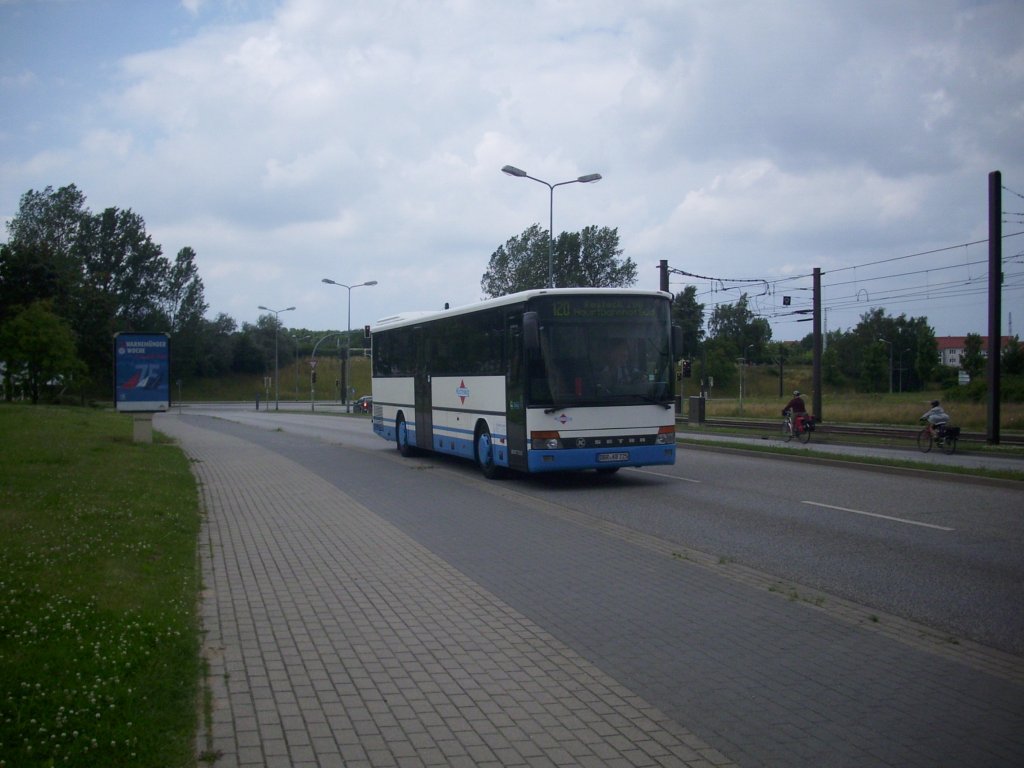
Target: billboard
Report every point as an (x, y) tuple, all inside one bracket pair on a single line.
[(142, 372)]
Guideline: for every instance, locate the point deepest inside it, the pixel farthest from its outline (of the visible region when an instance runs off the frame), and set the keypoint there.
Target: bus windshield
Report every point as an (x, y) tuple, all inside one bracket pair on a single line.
[(601, 351)]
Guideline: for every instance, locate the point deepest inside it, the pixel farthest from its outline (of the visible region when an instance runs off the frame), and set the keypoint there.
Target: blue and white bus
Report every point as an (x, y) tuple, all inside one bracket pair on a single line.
[(539, 381)]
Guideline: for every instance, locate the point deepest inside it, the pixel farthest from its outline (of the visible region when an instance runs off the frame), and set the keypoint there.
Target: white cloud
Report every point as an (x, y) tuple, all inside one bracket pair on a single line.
[(364, 140)]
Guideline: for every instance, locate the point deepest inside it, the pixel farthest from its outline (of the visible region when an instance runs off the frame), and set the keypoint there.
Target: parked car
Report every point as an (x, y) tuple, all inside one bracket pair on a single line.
[(364, 404)]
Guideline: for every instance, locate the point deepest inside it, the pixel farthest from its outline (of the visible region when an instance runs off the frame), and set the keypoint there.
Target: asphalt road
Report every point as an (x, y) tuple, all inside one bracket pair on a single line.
[(943, 552)]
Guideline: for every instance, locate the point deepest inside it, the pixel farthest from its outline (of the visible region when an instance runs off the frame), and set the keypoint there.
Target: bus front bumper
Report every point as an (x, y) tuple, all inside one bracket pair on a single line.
[(567, 459)]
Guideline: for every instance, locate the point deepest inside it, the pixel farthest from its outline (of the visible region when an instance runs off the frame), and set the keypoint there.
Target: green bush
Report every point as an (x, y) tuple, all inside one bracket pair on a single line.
[(1011, 391)]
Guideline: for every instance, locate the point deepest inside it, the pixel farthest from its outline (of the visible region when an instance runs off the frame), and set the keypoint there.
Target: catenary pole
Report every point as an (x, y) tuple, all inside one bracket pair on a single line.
[(995, 309)]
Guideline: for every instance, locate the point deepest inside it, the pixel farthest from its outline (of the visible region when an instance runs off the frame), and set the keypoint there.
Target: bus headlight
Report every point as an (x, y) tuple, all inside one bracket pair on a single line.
[(545, 441), (666, 436)]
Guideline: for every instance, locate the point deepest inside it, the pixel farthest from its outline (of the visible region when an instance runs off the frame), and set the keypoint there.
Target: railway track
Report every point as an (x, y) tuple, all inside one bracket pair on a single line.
[(858, 430)]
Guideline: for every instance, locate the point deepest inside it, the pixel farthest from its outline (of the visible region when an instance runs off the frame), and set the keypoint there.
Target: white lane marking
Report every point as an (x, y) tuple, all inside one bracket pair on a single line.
[(884, 517), (670, 477)]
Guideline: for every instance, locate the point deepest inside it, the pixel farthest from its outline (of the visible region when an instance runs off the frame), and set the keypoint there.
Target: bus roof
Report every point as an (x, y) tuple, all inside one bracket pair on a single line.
[(406, 318)]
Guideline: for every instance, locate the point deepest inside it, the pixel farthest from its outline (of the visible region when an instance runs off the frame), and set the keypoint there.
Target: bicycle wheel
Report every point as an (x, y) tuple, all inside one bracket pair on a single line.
[(924, 440), (804, 434), (787, 430), (948, 444)]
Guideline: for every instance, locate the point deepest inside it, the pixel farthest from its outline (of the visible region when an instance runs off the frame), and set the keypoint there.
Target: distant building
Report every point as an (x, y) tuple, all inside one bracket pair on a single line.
[(951, 348)]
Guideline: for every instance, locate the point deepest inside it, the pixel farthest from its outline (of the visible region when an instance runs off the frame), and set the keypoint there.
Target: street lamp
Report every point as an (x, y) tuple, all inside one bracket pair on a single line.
[(890, 362), (349, 333), (511, 170), (277, 327)]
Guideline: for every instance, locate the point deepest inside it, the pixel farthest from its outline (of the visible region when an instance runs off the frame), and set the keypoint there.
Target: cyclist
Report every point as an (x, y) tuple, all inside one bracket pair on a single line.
[(798, 409), (936, 418)]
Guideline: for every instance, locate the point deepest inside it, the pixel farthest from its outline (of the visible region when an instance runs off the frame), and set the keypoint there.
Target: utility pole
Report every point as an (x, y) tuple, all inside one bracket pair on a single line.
[(816, 374), (995, 288)]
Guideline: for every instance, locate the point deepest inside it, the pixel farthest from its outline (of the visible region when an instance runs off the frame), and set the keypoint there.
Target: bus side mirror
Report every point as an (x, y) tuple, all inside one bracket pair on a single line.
[(531, 332), (677, 342)]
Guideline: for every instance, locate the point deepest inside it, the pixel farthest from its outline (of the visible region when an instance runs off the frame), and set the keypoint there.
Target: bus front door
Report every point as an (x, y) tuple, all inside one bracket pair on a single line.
[(424, 412)]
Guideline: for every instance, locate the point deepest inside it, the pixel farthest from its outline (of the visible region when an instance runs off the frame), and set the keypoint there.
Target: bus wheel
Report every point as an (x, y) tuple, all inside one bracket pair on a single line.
[(485, 453), (402, 438)]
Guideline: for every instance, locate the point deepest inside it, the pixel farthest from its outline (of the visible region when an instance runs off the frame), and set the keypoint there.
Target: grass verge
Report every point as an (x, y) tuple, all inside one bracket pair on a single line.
[(809, 453), (99, 635)]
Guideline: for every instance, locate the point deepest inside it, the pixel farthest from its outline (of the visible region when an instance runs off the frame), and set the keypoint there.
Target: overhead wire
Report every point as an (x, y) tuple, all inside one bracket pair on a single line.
[(763, 305)]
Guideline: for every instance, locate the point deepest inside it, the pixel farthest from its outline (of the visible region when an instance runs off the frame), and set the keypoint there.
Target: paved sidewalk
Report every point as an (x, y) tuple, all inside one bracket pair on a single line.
[(335, 639)]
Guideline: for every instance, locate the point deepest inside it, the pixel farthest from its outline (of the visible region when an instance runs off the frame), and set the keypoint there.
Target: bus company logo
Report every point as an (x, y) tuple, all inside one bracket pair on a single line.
[(564, 419), (462, 391)]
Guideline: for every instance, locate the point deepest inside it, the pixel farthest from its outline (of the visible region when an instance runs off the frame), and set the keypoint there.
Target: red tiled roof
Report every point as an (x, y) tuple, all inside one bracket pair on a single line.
[(959, 342)]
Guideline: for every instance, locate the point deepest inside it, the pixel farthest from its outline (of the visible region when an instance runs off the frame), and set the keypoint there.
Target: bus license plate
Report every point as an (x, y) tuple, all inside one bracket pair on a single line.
[(613, 457)]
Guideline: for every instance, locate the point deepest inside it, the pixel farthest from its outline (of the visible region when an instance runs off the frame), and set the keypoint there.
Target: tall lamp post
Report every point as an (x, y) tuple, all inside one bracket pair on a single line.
[(277, 329), (890, 362), (348, 334), (511, 170)]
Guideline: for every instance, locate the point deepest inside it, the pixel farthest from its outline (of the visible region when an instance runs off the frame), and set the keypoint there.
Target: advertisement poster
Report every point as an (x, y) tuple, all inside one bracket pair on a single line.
[(142, 372)]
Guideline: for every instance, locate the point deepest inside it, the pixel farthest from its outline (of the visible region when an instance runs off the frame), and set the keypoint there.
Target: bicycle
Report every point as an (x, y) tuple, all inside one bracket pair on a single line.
[(942, 435), (802, 433)]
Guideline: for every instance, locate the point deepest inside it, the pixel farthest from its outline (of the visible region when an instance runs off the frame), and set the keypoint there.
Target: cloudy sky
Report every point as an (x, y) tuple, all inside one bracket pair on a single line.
[(294, 140)]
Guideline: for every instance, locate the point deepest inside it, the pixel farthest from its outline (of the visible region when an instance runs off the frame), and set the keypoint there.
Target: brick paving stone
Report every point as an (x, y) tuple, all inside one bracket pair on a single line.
[(309, 593)]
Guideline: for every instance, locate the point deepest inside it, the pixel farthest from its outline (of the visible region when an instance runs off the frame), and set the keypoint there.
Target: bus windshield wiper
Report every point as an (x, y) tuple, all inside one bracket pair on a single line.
[(556, 408)]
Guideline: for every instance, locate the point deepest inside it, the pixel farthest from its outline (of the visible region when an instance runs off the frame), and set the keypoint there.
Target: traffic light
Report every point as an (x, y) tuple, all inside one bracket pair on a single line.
[(687, 369)]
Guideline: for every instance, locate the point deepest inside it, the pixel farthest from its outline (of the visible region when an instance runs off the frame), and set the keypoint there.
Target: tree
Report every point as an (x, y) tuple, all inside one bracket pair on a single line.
[(1013, 358), (735, 329), (124, 282), (688, 314), (874, 369), (124, 269), (973, 359), (38, 347), (39, 262), (249, 353), (184, 306), (519, 264), (857, 355), (590, 258), (831, 372), (102, 273), (216, 346)]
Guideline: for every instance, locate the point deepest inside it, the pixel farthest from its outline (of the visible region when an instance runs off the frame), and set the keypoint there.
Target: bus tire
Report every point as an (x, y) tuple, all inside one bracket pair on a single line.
[(402, 438), (484, 450)]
